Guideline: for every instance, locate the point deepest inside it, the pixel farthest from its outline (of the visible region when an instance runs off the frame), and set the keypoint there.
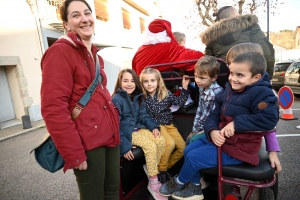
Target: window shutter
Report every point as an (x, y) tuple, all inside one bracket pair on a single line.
[(126, 19), (101, 10), (142, 25)]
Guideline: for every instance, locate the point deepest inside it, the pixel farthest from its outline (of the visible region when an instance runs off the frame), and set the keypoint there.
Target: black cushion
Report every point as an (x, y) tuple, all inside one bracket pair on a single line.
[(137, 153), (262, 172), (186, 108), (169, 75)]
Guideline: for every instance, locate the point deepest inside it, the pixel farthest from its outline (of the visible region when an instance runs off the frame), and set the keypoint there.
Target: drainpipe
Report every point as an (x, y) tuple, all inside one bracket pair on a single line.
[(34, 9)]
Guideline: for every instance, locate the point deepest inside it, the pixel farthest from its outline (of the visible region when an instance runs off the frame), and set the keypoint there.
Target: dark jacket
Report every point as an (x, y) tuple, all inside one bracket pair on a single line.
[(132, 115), (253, 109), (223, 35), (67, 72)]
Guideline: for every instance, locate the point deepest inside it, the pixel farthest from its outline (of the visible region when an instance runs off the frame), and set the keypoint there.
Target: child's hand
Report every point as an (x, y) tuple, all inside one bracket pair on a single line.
[(156, 133), (217, 137), (228, 130), (190, 135), (185, 81), (129, 155), (274, 161)]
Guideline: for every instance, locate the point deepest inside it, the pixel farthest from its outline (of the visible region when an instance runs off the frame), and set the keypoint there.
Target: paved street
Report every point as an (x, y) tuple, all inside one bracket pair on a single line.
[(21, 178)]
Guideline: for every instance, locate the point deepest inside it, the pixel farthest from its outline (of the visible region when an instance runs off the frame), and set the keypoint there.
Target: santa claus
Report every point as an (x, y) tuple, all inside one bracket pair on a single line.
[(160, 46)]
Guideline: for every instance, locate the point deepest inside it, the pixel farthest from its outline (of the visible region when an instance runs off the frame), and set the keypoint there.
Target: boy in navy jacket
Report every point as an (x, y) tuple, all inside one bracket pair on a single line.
[(246, 104)]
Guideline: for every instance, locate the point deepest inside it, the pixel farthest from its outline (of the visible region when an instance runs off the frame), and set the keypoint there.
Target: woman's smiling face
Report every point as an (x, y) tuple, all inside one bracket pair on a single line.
[(80, 20)]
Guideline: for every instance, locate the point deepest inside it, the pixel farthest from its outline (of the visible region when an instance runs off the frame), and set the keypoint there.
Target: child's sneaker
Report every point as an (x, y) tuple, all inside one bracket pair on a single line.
[(190, 191), (169, 187), (153, 187), (164, 177), (145, 170), (203, 183)]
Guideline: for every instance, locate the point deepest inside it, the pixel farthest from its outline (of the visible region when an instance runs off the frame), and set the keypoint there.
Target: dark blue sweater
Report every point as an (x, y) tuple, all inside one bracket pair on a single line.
[(132, 115)]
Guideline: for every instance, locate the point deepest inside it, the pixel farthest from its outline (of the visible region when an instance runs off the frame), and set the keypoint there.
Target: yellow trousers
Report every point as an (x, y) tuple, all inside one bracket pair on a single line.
[(173, 140), (153, 148)]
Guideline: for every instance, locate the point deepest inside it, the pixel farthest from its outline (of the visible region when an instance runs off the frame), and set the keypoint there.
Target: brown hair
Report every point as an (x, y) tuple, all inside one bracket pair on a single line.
[(207, 65), (63, 11), (241, 48), (138, 86), (224, 12), (161, 87), (255, 60)]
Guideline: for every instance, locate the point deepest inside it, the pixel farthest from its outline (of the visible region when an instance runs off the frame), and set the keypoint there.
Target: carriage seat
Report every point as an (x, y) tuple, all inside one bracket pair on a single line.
[(263, 171), (137, 153)]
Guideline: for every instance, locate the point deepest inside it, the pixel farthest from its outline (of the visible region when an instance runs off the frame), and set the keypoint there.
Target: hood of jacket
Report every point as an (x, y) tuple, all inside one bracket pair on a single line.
[(226, 26)]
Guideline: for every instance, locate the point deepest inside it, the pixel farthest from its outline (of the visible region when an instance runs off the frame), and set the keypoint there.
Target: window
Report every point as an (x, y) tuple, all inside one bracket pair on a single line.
[(126, 19), (142, 25), (293, 68), (101, 10)]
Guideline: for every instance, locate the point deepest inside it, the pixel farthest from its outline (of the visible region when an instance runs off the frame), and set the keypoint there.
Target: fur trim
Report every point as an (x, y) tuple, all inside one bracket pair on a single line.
[(155, 38), (229, 25)]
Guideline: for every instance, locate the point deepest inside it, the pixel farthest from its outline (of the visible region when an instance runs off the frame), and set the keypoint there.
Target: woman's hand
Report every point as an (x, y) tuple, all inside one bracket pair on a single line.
[(129, 155), (82, 166), (217, 137), (156, 133), (185, 81), (228, 130), (274, 161)]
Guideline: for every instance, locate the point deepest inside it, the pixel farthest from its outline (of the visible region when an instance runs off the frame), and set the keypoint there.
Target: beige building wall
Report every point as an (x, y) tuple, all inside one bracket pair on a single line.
[(297, 46), (23, 40), (19, 39)]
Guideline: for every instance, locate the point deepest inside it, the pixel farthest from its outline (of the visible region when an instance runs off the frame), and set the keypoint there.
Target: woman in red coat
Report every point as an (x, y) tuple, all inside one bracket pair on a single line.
[(89, 142), (160, 46)]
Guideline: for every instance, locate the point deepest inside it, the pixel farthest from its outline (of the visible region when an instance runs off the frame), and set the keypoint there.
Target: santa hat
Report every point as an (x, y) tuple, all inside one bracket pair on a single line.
[(160, 26)]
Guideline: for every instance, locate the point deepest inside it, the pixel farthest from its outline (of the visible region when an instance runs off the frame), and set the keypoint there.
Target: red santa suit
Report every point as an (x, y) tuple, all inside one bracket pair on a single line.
[(160, 47)]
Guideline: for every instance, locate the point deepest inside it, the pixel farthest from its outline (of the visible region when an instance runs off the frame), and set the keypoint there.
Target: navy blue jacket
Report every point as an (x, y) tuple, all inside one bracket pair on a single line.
[(132, 115), (253, 109)]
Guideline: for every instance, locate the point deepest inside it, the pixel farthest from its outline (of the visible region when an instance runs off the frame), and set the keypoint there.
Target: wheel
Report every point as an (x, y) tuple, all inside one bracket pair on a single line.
[(265, 194), (269, 193), (274, 188)]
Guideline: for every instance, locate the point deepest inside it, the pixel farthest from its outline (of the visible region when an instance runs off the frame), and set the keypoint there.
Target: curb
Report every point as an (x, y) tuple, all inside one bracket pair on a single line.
[(22, 132)]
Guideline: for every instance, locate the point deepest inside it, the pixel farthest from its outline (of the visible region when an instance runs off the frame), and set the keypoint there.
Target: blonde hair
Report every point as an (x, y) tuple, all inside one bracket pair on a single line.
[(161, 87), (242, 48)]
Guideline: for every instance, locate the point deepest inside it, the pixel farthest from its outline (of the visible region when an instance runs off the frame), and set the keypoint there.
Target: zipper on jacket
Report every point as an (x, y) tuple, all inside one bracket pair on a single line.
[(105, 108), (227, 99)]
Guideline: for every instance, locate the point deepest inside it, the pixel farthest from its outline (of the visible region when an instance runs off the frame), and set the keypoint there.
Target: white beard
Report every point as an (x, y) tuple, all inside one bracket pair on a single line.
[(155, 38)]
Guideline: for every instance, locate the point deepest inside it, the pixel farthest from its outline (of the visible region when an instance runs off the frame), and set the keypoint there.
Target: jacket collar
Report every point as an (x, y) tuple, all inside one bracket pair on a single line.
[(125, 94), (75, 41), (225, 26)]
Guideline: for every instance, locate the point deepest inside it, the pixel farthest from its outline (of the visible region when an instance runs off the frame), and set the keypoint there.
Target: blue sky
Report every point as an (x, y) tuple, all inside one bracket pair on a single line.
[(287, 16)]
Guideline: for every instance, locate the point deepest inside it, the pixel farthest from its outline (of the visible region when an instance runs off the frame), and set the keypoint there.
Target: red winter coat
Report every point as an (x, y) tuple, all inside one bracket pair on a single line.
[(67, 72), (164, 53)]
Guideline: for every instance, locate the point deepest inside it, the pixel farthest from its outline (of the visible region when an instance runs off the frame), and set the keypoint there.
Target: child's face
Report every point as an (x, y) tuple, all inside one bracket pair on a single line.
[(240, 76), (127, 83), (150, 83), (204, 80)]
